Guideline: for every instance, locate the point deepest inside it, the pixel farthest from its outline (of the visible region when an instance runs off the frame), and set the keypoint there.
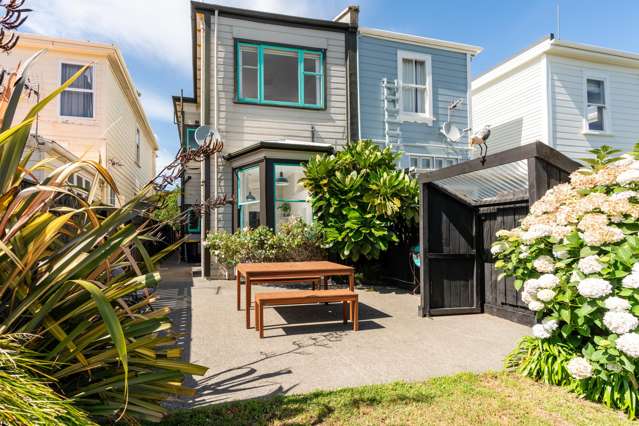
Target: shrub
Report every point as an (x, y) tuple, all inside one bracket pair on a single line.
[(65, 275), (295, 241), (361, 202), (576, 256)]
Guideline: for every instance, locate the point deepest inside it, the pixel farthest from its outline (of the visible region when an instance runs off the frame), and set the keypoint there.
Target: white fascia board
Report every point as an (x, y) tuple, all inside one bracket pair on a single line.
[(421, 41), (511, 64)]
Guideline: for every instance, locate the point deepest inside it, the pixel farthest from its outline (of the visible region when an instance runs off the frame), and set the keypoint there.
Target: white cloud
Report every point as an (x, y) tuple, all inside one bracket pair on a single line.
[(157, 30), (165, 157), (157, 107)]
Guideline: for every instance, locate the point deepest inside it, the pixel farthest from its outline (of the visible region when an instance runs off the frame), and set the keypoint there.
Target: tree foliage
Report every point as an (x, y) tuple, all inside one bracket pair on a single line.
[(361, 202)]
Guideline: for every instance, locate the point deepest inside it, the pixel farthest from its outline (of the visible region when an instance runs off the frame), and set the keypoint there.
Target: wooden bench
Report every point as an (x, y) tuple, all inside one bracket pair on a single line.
[(303, 297)]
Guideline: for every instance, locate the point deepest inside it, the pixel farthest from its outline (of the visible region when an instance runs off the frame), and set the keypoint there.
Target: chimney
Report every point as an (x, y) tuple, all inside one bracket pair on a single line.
[(350, 16)]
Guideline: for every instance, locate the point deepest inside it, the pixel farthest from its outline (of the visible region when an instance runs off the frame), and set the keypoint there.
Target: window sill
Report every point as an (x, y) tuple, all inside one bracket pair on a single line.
[(281, 105), (416, 118), (597, 133)]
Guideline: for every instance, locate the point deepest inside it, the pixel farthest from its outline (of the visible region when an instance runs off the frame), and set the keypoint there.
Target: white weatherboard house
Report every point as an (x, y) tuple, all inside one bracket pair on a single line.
[(573, 97)]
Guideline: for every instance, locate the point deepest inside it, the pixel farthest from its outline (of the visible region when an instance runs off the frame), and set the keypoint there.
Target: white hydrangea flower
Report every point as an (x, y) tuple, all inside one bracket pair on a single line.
[(631, 281), (629, 344), (503, 233), (540, 332), (531, 285), (579, 368), (590, 264), (616, 304), (525, 252), (626, 160), (560, 253), (544, 264), (548, 281), (594, 288), (498, 247), (550, 324), (535, 305), (536, 231), (624, 195), (628, 177), (526, 297), (545, 294), (620, 322)]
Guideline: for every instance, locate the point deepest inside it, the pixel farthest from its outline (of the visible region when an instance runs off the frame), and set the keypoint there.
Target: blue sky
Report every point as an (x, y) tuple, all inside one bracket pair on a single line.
[(154, 35)]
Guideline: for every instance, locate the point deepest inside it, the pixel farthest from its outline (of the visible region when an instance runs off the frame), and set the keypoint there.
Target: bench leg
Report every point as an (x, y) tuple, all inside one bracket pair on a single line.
[(247, 284), (355, 315), (238, 291), (260, 308), (345, 307), (257, 315), (350, 311)]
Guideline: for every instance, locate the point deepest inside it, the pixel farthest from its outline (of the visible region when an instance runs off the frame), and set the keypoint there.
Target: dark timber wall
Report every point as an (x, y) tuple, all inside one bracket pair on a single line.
[(458, 274)]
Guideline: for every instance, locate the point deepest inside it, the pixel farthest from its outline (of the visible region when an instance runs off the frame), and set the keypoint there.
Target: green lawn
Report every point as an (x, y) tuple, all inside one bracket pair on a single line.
[(464, 399)]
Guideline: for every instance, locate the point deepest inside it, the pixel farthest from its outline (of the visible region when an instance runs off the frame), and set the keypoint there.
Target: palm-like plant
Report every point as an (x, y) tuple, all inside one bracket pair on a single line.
[(65, 274)]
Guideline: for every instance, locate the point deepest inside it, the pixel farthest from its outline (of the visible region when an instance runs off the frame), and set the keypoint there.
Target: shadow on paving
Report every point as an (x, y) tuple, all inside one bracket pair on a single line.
[(220, 386)]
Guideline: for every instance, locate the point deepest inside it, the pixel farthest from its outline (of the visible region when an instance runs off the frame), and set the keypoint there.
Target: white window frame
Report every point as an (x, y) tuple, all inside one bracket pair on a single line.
[(607, 124), (427, 116), (138, 146), (73, 89), (433, 158)]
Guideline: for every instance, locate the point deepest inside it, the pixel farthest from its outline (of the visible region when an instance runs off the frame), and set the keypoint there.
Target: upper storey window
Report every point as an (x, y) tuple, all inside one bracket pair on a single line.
[(77, 100), (277, 75), (596, 105), (414, 72)]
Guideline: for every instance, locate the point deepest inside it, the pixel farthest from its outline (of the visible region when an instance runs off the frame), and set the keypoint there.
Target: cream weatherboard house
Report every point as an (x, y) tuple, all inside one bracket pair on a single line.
[(99, 117), (573, 97)]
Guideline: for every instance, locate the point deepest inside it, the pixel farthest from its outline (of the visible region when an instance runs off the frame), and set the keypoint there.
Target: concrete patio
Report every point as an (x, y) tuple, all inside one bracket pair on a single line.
[(307, 347)]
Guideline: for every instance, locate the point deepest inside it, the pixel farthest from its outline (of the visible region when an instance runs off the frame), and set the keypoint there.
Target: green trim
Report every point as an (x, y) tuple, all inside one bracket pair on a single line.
[(190, 138), (240, 205), (190, 229), (301, 73)]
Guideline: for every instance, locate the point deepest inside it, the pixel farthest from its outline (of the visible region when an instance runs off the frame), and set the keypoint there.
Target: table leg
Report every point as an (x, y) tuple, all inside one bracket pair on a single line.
[(239, 278), (350, 310), (257, 315), (345, 306), (351, 281), (356, 316), (248, 301)]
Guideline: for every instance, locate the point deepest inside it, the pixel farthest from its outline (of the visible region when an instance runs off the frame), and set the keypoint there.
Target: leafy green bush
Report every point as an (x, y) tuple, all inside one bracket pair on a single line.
[(169, 211), (576, 256), (361, 202), (295, 241)]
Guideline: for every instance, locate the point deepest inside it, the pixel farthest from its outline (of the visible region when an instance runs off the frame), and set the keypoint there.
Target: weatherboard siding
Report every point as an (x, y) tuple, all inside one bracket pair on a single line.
[(378, 60), (242, 125), (568, 78), (514, 106)]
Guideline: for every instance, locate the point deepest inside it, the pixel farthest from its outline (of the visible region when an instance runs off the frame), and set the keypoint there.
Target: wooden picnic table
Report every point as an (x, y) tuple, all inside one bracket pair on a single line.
[(287, 272)]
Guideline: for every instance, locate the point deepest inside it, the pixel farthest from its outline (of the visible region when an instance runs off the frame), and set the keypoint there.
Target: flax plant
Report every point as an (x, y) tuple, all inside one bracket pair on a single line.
[(66, 271)]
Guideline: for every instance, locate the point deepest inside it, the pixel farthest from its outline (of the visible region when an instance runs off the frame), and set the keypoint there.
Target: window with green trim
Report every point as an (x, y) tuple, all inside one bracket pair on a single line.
[(248, 196), (276, 75), (190, 138), (291, 198)]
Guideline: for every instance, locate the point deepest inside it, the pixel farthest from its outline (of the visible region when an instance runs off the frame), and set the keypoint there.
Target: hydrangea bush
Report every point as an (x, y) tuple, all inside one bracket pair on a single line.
[(576, 259)]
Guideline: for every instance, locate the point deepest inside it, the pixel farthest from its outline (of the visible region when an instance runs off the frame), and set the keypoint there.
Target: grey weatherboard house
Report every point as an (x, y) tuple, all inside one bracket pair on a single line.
[(278, 90)]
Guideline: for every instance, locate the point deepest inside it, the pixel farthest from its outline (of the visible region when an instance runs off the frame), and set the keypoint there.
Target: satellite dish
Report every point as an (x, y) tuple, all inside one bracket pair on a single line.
[(451, 131), (201, 134)]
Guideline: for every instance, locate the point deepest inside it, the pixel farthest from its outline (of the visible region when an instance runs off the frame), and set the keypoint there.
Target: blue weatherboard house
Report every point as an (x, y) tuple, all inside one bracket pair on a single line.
[(408, 87)]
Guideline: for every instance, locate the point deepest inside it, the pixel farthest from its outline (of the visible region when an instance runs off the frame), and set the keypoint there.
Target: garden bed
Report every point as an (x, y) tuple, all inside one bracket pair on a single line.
[(492, 398)]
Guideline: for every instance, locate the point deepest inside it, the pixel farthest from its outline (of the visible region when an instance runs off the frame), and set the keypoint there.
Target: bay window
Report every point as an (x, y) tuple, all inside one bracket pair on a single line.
[(278, 75), (291, 198), (248, 196)]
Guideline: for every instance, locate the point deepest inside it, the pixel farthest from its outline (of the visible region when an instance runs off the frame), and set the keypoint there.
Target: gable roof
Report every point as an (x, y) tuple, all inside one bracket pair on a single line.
[(115, 59), (551, 46)]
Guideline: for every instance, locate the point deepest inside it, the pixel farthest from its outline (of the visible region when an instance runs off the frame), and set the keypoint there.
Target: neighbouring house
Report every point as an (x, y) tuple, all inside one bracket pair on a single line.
[(406, 85), (99, 117), (277, 88), (571, 96)]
